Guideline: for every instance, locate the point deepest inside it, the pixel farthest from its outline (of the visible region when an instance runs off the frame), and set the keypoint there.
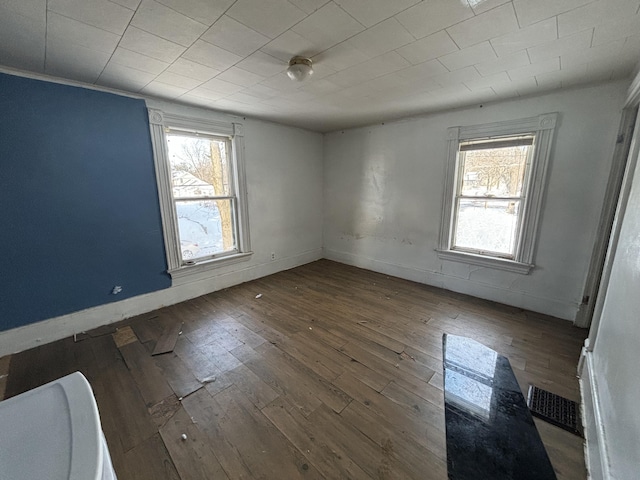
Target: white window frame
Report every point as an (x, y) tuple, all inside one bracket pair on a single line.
[(159, 123), (542, 128)]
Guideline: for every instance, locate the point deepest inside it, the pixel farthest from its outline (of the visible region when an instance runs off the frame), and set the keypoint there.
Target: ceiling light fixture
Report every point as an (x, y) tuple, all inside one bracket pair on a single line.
[(300, 68)]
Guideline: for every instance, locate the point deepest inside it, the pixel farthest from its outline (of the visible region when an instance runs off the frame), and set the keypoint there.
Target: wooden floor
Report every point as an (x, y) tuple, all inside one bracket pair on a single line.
[(333, 372)]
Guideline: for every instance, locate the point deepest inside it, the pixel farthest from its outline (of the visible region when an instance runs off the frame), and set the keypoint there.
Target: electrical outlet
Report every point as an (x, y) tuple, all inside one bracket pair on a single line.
[(273, 256)]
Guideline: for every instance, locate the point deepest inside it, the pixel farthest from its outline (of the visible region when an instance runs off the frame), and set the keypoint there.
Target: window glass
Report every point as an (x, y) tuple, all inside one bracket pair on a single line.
[(203, 194), (491, 184)]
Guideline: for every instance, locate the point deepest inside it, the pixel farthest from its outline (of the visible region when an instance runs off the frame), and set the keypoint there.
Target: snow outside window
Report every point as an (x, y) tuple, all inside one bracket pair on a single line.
[(495, 182)]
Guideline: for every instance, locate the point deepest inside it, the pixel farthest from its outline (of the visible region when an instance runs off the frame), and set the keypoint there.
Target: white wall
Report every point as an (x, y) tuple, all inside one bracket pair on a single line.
[(613, 378), (384, 184), (284, 185)]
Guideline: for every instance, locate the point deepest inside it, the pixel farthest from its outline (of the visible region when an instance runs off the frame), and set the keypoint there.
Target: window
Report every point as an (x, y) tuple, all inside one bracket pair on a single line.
[(495, 182), (202, 192)]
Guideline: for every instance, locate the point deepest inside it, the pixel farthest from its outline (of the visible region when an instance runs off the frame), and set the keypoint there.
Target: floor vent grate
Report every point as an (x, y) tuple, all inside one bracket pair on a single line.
[(557, 410)]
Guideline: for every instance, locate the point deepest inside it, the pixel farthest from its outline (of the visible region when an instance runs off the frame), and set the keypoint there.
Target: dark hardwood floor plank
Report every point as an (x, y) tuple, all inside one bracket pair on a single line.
[(192, 456), (317, 440), (148, 376), (256, 391), (168, 339), (177, 374), (305, 378), (149, 461), (125, 419)]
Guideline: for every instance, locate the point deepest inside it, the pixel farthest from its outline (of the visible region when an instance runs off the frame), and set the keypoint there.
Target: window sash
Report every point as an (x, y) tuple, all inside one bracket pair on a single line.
[(542, 129), (492, 143), (161, 124), (219, 253), (481, 251), (232, 197)]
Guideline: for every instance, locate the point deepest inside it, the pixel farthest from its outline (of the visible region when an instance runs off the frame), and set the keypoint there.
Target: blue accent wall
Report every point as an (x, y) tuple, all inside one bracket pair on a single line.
[(79, 209)]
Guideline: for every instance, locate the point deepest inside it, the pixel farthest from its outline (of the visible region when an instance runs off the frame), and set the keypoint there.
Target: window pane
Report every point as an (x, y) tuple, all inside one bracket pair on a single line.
[(494, 172), (199, 166), (487, 225), (205, 228)]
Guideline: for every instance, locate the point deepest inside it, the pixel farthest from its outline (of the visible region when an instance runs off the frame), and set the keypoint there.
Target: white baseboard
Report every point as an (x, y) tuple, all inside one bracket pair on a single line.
[(547, 306), (29, 336), (595, 449)]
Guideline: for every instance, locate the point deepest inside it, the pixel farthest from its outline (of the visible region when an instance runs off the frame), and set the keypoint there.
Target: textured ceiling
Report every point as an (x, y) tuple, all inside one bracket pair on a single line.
[(373, 59)]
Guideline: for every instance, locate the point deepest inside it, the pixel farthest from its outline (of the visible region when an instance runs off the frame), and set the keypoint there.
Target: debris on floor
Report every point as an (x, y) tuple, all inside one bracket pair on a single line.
[(259, 295), (210, 379), (124, 336), (167, 341)]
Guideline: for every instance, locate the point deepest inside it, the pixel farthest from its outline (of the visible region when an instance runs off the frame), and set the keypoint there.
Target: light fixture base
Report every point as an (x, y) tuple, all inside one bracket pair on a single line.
[(300, 68)]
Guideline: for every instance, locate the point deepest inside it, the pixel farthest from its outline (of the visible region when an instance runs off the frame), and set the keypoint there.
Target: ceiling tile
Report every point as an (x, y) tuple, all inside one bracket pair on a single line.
[(481, 52), (320, 70), (220, 86), (68, 59), (495, 80), (496, 22), (261, 91), (384, 37), (262, 64), (309, 6), (448, 79), (613, 31), (561, 46), (22, 41), (541, 32), (105, 15), (81, 34), (288, 45), (387, 63), (203, 11), (515, 87), (341, 56), (211, 56), (430, 17), (204, 93), (594, 14), (532, 11), (135, 60), (164, 22), (562, 77), (240, 77), (321, 87), (550, 65), (428, 48), (233, 36), (328, 26), (423, 70), (194, 70), (370, 12), (243, 98), (502, 64), (151, 45), (269, 17), (176, 80), (130, 4), (124, 78), (480, 6), (600, 52), (282, 83), (163, 90), (395, 85), (36, 9)]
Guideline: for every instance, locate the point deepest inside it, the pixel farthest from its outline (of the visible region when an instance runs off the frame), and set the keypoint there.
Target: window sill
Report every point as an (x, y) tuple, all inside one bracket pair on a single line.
[(489, 262), (197, 271)]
